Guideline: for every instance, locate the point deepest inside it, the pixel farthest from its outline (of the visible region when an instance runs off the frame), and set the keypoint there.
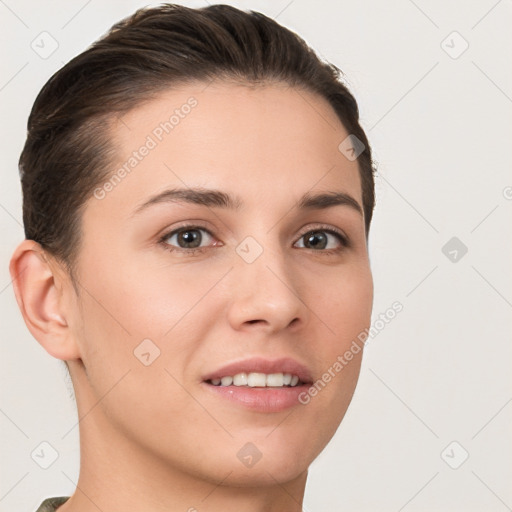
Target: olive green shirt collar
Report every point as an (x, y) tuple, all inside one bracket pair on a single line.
[(51, 504)]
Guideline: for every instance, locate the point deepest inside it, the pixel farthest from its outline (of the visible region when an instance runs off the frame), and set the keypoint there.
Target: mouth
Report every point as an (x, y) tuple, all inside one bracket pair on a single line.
[(258, 380), (259, 384)]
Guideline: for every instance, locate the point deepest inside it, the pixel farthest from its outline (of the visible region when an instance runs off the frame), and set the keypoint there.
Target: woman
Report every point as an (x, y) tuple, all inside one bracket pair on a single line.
[(197, 198)]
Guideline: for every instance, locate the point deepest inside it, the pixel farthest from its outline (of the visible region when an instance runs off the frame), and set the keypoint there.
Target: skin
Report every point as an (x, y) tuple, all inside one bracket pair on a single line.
[(151, 437)]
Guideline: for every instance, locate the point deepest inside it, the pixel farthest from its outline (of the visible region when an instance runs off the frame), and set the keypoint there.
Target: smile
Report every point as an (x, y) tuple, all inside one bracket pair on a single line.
[(259, 384), (258, 380)]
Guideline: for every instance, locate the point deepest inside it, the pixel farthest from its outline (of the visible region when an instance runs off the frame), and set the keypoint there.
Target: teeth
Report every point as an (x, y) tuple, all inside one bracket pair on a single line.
[(258, 380), (275, 379), (226, 381), (240, 379)]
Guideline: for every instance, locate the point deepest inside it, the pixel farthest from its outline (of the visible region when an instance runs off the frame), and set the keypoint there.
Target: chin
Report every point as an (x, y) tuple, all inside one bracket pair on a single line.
[(268, 471), (264, 459)]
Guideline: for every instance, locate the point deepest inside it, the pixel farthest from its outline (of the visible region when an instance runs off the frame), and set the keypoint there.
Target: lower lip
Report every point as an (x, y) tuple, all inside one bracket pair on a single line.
[(260, 399)]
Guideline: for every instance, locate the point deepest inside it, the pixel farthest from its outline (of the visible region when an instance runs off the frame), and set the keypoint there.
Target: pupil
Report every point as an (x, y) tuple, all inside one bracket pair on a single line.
[(192, 238), (317, 239)]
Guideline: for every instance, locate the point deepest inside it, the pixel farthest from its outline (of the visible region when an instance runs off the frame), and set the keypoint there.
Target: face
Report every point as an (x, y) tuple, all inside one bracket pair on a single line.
[(213, 256)]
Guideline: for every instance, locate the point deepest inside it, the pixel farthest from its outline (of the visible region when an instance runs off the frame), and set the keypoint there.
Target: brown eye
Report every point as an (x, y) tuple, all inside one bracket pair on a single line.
[(188, 237), (323, 239), (315, 240)]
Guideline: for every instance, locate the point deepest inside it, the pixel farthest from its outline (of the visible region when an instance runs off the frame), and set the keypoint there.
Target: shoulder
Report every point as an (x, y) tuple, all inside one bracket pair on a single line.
[(51, 504)]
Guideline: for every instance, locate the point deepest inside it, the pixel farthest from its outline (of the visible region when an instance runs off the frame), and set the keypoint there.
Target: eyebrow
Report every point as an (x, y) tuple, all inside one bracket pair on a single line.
[(217, 199)]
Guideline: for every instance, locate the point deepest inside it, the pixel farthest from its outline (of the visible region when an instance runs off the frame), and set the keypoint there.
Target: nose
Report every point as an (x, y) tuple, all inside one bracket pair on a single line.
[(266, 295)]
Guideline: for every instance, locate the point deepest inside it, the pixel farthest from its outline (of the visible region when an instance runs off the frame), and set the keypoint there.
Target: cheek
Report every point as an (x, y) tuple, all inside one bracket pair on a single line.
[(144, 301), (345, 303), (125, 318), (129, 311), (345, 310)]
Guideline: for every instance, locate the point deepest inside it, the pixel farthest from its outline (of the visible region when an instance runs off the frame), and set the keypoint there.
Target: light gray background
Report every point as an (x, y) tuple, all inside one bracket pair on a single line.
[(441, 132)]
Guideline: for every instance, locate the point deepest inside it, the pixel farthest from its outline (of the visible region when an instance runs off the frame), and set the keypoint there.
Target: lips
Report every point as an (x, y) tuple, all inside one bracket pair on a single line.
[(258, 384)]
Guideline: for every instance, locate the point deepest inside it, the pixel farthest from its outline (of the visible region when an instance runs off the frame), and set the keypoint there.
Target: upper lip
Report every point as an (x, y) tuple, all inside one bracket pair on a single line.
[(262, 365)]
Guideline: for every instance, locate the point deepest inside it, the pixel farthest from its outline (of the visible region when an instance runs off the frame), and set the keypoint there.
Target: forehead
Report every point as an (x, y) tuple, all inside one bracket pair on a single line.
[(266, 144)]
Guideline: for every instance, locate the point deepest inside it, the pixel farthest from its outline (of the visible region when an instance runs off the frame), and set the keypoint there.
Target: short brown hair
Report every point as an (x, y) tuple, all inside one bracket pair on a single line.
[(68, 151)]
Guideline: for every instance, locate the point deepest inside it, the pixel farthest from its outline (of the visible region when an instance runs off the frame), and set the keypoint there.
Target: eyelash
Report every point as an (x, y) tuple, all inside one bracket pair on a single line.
[(193, 251)]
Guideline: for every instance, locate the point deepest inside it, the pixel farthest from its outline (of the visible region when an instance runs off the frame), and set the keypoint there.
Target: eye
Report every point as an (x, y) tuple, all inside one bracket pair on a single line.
[(192, 239), (187, 239), (327, 239)]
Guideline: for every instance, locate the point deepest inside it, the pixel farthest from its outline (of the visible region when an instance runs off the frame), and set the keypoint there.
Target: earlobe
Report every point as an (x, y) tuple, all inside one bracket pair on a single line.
[(40, 290)]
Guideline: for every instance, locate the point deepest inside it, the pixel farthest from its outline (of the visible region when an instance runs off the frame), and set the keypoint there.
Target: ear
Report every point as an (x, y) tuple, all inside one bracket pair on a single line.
[(42, 290)]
